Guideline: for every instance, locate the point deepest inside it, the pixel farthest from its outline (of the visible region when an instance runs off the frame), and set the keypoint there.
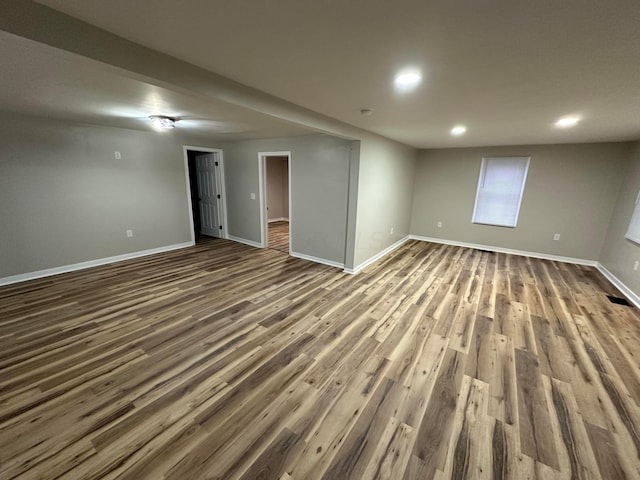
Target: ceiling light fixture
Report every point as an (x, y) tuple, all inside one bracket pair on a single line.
[(458, 130), (366, 111), (408, 79), (160, 122), (566, 122)]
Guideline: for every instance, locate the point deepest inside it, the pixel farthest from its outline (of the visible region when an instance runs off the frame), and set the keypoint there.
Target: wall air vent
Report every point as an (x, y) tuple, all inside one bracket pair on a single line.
[(619, 301)]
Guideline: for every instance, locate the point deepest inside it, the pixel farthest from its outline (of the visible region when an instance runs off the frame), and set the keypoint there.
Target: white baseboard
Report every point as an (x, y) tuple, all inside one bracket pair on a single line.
[(23, 277), (635, 299), (311, 258), (377, 256), (544, 256), (630, 294), (245, 241), (281, 219)]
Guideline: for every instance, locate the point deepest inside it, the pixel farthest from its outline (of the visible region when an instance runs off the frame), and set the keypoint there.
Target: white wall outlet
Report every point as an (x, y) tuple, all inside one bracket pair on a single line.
[(439, 224), (636, 264), (129, 233), (556, 236), (391, 232), (118, 155), (253, 196)]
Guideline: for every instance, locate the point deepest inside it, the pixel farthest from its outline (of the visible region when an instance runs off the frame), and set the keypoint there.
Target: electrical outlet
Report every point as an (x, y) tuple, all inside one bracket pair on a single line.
[(129, 233), (118, 155), (636, 264), (439, 224), (253, 196), (391, 232), (556, 236)]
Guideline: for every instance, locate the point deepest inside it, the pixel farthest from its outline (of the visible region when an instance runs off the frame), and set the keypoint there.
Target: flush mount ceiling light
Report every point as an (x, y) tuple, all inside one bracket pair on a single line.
[(458, 130), (408, 79), (160, 122), (567, 122)]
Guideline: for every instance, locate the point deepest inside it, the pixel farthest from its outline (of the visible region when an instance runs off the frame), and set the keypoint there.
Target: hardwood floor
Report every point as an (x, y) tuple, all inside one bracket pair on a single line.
[(226, 361), (279, 236)]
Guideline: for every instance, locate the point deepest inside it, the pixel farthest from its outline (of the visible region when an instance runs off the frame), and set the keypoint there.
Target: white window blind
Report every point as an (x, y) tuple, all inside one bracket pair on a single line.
[(633, 232), (500, 190)]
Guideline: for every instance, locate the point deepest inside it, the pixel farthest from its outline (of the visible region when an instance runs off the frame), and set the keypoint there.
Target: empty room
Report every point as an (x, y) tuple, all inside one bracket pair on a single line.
[(319, 240)]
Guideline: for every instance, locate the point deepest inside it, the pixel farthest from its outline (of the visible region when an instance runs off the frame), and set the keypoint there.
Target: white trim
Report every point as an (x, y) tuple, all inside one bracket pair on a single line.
[(223, 194), (635, 299), (331, 263), (23, 277), (281, 219), (245, 241), (290, 196), (378, 256), (262, 201), (192, 228), (262, 189), (223, 186), (544, 256)]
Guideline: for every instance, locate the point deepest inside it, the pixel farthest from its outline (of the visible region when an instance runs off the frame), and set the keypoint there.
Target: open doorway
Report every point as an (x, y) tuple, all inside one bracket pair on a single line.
[(206, 192), (275, 200)]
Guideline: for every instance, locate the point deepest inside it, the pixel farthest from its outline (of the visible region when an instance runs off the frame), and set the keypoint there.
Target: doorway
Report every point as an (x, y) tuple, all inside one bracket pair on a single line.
[(206, 192), (275, 200)]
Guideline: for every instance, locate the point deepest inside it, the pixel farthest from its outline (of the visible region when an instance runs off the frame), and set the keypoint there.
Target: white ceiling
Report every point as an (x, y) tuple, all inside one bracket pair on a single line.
[(507, 69), (44, 81)]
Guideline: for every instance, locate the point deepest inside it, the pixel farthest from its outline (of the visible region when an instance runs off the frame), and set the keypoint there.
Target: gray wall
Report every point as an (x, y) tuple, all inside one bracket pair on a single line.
[(385, 184), (65, 199), (277, 187), (319, 189), (618, 253), (570, 189)]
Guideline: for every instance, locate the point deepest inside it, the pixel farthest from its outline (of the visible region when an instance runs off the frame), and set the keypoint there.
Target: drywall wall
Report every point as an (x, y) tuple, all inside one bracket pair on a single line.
[(385, 184), (619, 254), (26, 19), (277, 188), (319, 172), (66, 199), (570, 190)]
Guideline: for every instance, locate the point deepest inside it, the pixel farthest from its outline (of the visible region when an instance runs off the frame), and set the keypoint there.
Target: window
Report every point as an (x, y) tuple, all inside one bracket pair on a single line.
[(633, 232), (500, 190)]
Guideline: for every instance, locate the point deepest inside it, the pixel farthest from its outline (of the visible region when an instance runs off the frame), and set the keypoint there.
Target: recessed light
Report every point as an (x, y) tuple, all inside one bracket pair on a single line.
[(566, 122), (458, 130), (366, 111), (160, 122), (408, 79)]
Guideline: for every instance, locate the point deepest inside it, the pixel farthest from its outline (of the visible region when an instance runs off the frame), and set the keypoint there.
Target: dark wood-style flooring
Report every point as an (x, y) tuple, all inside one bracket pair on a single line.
[(230, 362), (279, 236)]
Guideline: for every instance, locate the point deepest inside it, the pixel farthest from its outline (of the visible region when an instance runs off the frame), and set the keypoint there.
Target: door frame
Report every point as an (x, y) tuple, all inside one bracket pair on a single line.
[(223, 190), (262, 181)]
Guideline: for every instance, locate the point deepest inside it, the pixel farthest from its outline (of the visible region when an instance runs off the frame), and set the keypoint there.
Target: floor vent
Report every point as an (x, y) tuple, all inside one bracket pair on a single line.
[(619, 300)]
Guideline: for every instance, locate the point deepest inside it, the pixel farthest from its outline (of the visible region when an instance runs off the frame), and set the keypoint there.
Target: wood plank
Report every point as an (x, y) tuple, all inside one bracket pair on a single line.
[(499, 370), (278, 238), (536, 436), (610, 462), (227, 361), (392, 453), (432, 438), (273, 460), (469, 453), (574, 448)]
